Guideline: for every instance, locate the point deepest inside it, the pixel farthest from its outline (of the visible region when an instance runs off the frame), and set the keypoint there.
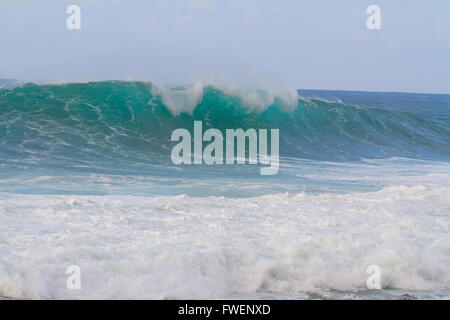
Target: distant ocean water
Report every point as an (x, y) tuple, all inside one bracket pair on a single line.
[(86, 179)]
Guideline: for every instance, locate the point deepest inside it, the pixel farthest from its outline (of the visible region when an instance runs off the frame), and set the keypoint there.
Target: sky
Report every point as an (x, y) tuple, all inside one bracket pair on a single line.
[(302, 44)]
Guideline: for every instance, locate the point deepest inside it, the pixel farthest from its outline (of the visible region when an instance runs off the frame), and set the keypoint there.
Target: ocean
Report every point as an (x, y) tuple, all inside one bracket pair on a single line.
[(86, 179)]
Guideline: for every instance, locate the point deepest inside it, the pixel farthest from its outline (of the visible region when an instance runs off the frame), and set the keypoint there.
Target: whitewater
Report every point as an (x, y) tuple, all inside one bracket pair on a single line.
[(86, 179)]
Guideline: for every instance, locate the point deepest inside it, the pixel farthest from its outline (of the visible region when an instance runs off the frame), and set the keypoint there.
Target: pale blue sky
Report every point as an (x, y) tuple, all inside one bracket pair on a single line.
[(316, 44)]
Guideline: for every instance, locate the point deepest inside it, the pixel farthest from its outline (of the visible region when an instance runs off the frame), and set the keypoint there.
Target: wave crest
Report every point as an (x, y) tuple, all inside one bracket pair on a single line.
[(187, 98)]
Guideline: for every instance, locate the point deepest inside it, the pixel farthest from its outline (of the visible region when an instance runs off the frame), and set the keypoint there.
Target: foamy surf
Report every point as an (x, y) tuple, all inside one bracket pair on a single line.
[(279, 245)]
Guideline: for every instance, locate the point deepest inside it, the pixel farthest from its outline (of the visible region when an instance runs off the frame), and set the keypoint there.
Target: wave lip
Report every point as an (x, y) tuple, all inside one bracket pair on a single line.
[(186, 99)]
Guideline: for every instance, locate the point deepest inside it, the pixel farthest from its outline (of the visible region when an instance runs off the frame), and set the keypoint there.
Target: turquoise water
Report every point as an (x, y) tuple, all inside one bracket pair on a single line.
[(85, 171), (124, 128)]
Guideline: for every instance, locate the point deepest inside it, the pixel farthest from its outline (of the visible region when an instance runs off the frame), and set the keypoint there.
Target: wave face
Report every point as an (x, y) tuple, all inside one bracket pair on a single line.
[(115, 121)]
